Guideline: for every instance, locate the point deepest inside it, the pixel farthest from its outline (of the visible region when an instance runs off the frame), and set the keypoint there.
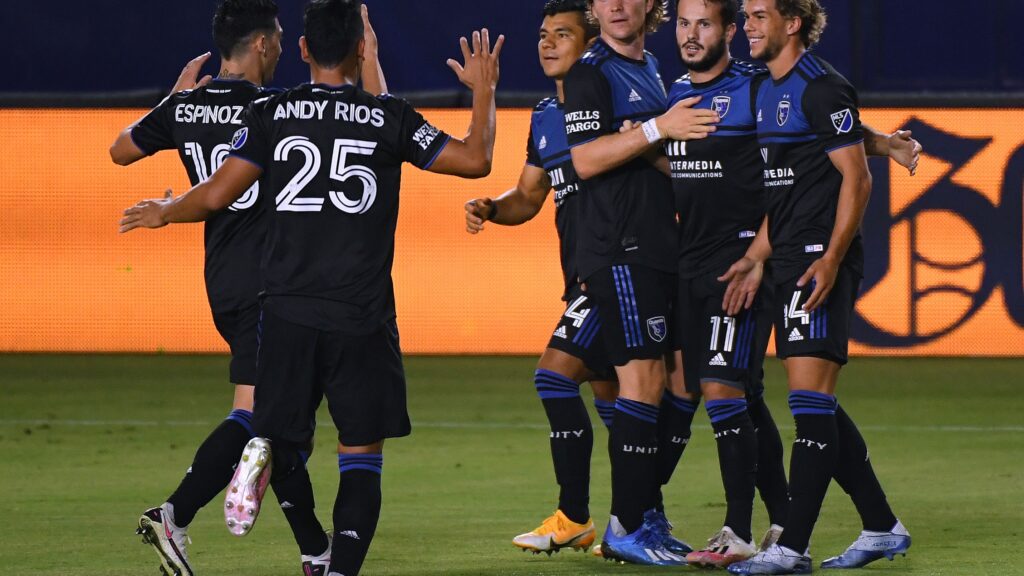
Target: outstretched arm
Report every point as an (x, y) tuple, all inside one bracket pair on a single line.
[(124, 151), (471, 156), (514, 207), (681, 122), (899, 146), (373, 75), (225, 186)]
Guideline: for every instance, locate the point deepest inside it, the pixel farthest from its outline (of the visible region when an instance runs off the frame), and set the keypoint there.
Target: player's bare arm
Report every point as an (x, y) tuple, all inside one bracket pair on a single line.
[(851, 161), (372, 75), (124, 151), (900, 146), (471, 156), (654, 155), (514, 207), (223, 187), (681, 122), (744, 276)]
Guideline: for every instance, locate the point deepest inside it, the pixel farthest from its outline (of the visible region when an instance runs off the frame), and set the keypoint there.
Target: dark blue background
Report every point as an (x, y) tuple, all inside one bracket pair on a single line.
[(112, 45)]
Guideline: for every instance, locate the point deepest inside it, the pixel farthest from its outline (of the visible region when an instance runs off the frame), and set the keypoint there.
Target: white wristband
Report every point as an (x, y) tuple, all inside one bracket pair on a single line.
[(650, 129)]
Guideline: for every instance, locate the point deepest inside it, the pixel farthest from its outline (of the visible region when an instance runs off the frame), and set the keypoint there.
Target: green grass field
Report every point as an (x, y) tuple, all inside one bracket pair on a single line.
[(88, 442)]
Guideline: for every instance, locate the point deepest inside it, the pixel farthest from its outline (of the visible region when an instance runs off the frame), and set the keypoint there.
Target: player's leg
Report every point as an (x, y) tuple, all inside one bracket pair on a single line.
[(883, 535), (165, 526), (813, 346), (286, 401), (364, 381), (557, 381), (634, 303), (722, 360), (605, 394), (771, 471)]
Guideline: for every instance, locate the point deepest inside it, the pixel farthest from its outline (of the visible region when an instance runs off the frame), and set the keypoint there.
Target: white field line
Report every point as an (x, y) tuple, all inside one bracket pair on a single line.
[(476, 425)]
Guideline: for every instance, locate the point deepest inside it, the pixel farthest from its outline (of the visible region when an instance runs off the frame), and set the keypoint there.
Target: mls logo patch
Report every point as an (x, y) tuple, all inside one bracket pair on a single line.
[(843, 121), (657, 328), (238, 140), (782, 114), (720, 104)]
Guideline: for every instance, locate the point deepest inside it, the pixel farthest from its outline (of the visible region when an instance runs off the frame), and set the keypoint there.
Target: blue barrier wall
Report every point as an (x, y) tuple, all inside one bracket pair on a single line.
[(111, 45)]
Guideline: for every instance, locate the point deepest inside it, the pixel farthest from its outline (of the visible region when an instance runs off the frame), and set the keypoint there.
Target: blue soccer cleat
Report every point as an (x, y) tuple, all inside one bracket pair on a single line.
[(871, 546), (644, 546), (775, 560), (671, 543)]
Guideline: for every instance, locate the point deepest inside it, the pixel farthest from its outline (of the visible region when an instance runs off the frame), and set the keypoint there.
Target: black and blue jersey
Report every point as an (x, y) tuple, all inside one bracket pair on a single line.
[(199, 124), (626, 215), (332, 164), (718, 183), (801, 117), (548, 148)]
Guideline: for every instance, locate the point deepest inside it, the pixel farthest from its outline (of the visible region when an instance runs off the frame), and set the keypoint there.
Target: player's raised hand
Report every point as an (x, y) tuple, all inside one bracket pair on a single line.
[(480, 66), (744, 278), (369, 35), (189, 77), (823, 271), (478, 211), (904, 150), (684, 122), (146, 214)]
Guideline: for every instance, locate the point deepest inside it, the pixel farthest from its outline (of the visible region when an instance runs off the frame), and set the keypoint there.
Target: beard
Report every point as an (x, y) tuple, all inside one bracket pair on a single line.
[(711, 57)]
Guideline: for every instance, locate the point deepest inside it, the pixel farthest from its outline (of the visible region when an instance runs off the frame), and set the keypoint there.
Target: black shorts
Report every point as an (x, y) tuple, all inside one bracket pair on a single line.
[(361, 376), (238, 329), (821, 333), (578, 334), (635, 307), (716, 347)]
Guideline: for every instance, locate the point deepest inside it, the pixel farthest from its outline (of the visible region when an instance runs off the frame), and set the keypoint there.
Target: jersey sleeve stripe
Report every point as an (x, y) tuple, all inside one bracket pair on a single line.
[(438, 153), (844, 145), (249, 160)]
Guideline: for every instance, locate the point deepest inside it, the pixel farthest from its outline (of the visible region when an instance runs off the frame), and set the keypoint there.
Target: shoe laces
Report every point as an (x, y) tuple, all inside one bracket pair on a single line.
[(551, 524), (651, 535), (770, 537)]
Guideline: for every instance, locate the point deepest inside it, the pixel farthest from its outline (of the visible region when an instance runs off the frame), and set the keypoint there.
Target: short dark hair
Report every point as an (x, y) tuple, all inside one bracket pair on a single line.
[(236, 20), (727, 9), (553, 7), (333, 30)]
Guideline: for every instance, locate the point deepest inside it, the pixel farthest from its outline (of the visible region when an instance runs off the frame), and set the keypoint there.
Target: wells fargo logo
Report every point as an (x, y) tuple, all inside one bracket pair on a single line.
[(944, 261)]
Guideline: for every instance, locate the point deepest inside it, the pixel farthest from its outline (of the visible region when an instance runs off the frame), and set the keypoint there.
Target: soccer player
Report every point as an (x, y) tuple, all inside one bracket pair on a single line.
[(330, 156), (197, 120), (818, 185), (720, 199), (626, 249), (575, 353)]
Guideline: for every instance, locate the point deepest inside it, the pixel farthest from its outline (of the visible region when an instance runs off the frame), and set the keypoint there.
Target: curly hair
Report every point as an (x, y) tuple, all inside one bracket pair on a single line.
[(812, 16), (655, 18)]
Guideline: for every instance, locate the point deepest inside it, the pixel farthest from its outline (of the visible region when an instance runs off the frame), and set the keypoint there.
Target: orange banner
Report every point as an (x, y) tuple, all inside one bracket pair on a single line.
[(943, 276)]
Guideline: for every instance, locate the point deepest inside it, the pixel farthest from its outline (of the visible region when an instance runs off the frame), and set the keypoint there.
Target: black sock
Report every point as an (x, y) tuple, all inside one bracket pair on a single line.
[(673, 436), (771, 471), (606, 411), (356, 510), (294, 491), (856, 477), (572, 441), (811, 466), (212, 467), (737, 459), (634, 450)]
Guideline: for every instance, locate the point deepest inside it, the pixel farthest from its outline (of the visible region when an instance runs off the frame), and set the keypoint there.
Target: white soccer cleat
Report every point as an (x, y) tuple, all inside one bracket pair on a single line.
[(318, 565), (245, 492), (158, 529), (775, 560), (871, 546), (723, 549)]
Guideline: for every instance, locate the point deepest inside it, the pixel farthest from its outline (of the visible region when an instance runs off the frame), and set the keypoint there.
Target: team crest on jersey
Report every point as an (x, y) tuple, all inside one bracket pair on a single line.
[(782, 114), (238, 140), (843, 121), (657, 328), (720, 104)]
